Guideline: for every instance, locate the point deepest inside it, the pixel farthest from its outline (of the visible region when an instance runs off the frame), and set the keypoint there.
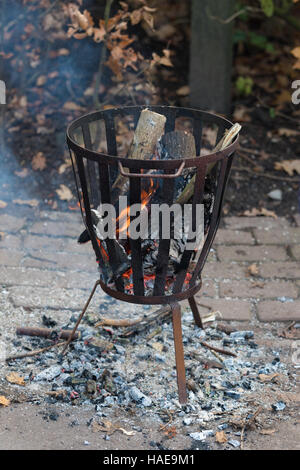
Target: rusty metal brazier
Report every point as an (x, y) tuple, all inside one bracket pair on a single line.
[(94, 172)]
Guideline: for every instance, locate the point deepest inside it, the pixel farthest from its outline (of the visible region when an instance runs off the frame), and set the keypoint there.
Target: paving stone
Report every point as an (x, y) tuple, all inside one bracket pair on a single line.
[(41, 297), (230, 309), (224, 270), (11, 257), (60, 229), (272, 310), (64, 261), (252, 253), (287, 269), (297, 219), (11, 276), (295, 251), (255, 222), (9, 223), (233, 237), (209, 288), (10, 241), (72, 216), (258, 289), (50, 244), (286, 236)]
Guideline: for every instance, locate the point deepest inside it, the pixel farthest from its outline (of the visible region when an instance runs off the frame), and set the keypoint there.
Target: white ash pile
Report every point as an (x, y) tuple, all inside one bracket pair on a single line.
[(109, 371)]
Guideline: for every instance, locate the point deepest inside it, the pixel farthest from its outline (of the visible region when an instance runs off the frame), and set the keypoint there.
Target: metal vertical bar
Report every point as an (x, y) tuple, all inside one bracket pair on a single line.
[(187, 254), (111, 142), (197, 132), (91, 165), (221, 186), (135, 245), (170, 122), (114, 260), (196, 314), (179, 352), (87, 207), (164, 244)]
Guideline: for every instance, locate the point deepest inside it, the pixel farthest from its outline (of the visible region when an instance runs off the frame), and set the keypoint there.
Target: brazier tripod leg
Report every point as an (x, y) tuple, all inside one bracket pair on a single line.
[(179, 353), (80, 317), (194, 308)]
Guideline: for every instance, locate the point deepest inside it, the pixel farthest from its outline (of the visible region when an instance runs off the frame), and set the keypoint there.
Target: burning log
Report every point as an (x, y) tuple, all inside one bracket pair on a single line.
[(177, 145), (226, 140), (149, 129)]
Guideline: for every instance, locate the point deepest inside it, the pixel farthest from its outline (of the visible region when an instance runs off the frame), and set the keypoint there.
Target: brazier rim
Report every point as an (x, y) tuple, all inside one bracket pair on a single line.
[(169, 164)]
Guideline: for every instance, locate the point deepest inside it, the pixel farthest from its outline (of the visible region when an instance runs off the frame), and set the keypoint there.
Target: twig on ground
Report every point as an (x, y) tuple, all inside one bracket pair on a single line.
[(219, 350), (34, 353), (247, 423)]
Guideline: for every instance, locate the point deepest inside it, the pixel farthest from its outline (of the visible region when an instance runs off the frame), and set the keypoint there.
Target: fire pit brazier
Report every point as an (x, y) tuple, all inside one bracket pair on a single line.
[(146, 270)]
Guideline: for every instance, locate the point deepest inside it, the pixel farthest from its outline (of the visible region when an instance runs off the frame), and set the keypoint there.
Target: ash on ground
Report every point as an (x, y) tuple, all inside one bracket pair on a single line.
[(137, 374)]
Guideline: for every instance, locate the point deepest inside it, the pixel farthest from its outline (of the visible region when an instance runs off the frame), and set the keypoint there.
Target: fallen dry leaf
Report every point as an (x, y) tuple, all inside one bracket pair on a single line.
[(183, 91), (4, 401), (241, 113), (221, 437), (64, 166), (289, 166), (22, 173), (259, 212), (41, 80), (15, 378), (287, 132), (283, 98), (2, 204), (110, 428), (39, 162), (69, 105), (29, 202), (267, 432), (267, 378), (253, 270), (158, 346), (296, 52), (64, 193)]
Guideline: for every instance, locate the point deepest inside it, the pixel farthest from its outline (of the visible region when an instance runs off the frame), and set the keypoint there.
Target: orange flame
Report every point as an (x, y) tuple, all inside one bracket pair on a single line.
[(125, 213)]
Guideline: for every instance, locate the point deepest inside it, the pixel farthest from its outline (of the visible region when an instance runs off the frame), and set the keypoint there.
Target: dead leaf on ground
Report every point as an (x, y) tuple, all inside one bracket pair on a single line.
[(267, 378), (296, 52), (28, 202), (41, 80), (289, 166), (157, 346), (70, 106), (290, 332), (170, 432), (283, 98), (3, 204), (267, 432), (110, 428), (254, 212), (183, 91), (221, 437), (241, 113), (15, 378), (64, 166), (283, 131), (39, 162), (22, 173), (64, 193), (4, 401), (253, 270)]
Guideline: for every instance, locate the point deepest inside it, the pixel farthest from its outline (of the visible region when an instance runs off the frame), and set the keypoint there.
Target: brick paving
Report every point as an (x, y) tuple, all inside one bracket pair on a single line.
[(42, 266)]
